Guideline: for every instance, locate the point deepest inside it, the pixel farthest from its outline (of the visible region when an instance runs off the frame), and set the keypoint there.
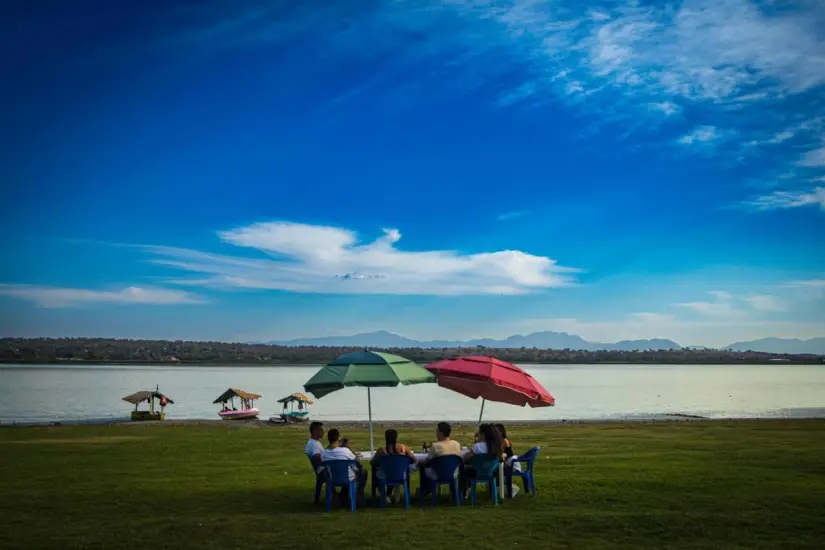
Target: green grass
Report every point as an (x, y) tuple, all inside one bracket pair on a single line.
[(689, 485)]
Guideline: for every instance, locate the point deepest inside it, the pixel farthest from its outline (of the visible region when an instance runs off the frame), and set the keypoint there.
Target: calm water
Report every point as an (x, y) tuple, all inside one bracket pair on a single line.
[(50, 393)]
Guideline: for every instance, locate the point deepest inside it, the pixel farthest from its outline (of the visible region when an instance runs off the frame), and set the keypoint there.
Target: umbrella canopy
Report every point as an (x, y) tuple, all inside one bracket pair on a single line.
[(491, 379), (369, 369)]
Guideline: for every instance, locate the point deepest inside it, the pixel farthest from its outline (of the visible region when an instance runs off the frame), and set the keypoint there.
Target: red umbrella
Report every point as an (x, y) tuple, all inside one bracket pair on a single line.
[(490, 378)]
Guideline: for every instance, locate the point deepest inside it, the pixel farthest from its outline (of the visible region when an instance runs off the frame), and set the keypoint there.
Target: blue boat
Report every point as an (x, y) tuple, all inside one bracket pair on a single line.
[(296, 408)]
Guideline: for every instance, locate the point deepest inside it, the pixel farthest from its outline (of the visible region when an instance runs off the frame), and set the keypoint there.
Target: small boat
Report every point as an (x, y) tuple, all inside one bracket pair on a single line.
[(148, 396), (289, 413), (230, 412)]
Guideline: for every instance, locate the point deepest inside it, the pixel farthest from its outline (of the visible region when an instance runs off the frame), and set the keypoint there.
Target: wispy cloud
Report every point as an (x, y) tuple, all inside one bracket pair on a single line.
[(719, 308), (728, 305), (701, 134), (788, 199), (56, 297), (744, 73), (512, 215), (810, 283), (667, 108), (697, 50), (813, 158), (766, 302), (322, 259)]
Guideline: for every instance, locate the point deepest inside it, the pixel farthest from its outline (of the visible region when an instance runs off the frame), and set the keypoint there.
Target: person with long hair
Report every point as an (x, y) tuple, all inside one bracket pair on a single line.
[(488, 443), (509, 454), (391, 448)]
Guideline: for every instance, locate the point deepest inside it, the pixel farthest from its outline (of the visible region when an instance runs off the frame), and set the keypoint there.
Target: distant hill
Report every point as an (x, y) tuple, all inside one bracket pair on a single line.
[(380, 339), (540, 340), (814, 346)]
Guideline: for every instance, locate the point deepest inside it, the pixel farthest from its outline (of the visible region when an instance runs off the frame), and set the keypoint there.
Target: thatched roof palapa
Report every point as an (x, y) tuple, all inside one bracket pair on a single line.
[(297, 396), (230, 393), (141, 396)]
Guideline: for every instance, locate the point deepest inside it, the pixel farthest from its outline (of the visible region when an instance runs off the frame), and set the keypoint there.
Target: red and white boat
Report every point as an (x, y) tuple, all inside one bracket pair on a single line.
[(247, 401)]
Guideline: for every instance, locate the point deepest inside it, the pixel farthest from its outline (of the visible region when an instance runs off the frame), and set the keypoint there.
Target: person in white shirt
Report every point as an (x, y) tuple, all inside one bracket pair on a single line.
[(314, 449), (338, 450)]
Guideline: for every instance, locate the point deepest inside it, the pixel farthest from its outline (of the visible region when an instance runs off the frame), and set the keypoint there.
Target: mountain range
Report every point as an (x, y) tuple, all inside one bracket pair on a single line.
[(548, 340), (815, 346), (543, 340)]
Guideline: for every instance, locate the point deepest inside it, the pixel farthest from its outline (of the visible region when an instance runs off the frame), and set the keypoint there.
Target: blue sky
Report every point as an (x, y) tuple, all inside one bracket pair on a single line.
[(267, 170)]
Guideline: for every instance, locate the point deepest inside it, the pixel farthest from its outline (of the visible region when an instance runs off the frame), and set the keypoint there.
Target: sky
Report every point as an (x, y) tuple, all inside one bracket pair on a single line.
[(247, 171)]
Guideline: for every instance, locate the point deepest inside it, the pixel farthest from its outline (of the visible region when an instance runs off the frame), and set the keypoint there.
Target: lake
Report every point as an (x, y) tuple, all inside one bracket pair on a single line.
[(69, 393)]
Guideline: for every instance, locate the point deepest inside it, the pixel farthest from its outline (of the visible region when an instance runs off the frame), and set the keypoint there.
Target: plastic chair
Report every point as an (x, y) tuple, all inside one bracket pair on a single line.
[(396, 473), (339, 473), (319, 482), (445, 468), (486, 472), (528, 460)]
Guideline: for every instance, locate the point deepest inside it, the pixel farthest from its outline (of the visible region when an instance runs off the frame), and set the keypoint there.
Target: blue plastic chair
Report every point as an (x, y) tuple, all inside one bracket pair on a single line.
[(396, 472), (339, 471), (319, 482), (527, 460), (486, 472), (445, 468)]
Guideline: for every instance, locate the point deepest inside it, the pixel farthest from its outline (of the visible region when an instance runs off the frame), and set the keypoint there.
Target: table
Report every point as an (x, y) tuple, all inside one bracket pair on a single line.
[(421, 456)]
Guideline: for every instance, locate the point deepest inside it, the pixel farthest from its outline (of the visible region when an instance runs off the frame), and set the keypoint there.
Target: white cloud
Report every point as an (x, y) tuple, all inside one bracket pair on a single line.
[(320, 259), (784, 135), (722, 295), (752, 69), (668, 108), (788, 199), (55, 297), (811, 283), (814, 158), (727, 305), (697, 50), (512, 215), (766, 302), (722, 306), (525, 91), (721, 309), (701, 134), (700, 50)]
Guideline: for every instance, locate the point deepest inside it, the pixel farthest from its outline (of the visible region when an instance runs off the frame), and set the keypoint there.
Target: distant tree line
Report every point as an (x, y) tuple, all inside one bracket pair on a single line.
[(102, 350)]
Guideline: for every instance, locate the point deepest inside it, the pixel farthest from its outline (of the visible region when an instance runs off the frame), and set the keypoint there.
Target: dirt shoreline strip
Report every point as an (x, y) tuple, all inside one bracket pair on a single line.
[(259, 423)]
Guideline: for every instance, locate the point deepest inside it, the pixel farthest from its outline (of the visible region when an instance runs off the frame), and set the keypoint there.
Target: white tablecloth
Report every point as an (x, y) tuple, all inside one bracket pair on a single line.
[(421, 456)]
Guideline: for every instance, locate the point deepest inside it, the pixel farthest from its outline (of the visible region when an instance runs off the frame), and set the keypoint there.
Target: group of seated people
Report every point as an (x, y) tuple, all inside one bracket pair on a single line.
[(490, 441)]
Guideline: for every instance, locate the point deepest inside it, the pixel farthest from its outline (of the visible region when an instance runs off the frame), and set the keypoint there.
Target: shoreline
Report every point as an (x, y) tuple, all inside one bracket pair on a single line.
[(363, 424), (816, 360)]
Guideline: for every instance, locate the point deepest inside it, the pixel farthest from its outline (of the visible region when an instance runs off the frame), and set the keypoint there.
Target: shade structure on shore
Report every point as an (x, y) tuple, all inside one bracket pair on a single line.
[(491, 379), (369, 369)]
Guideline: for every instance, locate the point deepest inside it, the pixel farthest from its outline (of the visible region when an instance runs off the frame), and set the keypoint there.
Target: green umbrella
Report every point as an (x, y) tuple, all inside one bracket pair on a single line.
[(370, 369)]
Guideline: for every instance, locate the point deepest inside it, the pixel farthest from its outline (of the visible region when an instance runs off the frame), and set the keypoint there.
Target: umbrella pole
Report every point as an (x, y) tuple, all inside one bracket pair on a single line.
[(482, 411), (369, 408)]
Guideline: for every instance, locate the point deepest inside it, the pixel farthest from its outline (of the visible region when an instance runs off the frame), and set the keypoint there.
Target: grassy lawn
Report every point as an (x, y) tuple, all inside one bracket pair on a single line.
[(689, 485)]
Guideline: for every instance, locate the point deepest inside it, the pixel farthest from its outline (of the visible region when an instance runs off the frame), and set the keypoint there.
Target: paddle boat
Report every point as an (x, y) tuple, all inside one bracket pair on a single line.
[(230, 412), (289, 413), (149, 397)]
